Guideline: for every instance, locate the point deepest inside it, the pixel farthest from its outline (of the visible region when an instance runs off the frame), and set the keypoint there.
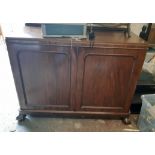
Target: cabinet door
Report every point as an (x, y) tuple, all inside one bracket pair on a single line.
[(42, 75), (106, 79)]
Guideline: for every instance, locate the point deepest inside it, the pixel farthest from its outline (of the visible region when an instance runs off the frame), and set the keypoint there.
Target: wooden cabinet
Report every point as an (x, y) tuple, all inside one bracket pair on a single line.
[(71, 78)]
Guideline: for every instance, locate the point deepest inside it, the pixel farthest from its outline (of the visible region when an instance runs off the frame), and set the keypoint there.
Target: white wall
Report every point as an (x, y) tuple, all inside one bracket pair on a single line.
[(137, 27)]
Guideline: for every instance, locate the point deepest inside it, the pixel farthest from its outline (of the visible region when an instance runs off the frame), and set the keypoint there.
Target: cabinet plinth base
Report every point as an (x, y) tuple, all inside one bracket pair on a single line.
[(73, 114)]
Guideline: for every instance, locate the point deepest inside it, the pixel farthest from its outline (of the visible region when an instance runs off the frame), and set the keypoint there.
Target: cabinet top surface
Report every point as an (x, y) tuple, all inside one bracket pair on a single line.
[(22, 31)]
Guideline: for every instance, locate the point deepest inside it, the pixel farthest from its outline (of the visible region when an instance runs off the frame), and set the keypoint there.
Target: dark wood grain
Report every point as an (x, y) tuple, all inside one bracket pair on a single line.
[(45, 75), (66, 76)]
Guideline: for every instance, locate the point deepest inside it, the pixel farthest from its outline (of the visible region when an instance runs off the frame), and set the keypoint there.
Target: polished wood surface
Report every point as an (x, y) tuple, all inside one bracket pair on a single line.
[(66, 76)]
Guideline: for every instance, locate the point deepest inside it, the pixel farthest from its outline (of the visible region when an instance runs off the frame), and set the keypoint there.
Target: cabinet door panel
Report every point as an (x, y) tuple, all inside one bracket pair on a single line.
[(104, 79), (42, 76)]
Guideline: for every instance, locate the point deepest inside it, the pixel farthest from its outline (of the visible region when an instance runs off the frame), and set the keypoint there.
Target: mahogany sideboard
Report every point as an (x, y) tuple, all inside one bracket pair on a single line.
[(65, 76)]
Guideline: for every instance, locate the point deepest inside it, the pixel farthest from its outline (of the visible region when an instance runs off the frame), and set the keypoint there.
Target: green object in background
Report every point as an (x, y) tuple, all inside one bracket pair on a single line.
[(151, 50), (146, 77)]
